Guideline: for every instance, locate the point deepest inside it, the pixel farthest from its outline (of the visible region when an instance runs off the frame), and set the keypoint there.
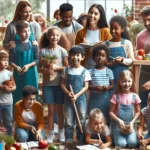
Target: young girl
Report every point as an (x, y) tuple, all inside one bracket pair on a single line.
[(96, 131), (52, 93), (102, 81), (144, 119), (121, 49), (124, 111), (40, 19), (24, 58)]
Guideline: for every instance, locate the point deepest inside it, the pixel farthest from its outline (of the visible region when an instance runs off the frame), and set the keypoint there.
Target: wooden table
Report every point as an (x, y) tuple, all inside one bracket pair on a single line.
[(136, 71)]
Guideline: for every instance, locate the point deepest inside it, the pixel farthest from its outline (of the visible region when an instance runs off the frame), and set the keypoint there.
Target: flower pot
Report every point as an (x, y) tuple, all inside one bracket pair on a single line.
[(46, 64), (2, 145), (9, 83)]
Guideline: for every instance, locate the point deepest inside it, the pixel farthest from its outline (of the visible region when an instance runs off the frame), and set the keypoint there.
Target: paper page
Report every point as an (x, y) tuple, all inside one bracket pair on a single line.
[(24, 145), (33, 144)]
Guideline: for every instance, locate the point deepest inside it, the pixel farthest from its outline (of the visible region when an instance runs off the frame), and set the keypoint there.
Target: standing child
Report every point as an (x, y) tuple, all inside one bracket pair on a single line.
[(121, 49), (124, 111), (102, 81), (6, 100), (97, 132), (76, 76), (24, 59), (52, 93), (144, 119)]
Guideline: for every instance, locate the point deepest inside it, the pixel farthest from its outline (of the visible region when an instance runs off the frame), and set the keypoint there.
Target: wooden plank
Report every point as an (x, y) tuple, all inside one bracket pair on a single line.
[(141, 62)]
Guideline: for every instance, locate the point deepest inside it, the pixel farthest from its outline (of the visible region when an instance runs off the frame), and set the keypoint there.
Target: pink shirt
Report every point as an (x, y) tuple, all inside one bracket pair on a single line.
[(141, 39), (125, 99)]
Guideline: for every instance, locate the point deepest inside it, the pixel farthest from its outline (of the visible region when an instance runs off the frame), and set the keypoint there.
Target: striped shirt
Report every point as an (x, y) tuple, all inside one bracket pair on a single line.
[(101, 77), (146, 113)]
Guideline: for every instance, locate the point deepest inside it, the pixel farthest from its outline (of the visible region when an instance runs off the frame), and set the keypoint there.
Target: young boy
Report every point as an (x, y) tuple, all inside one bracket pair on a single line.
[(29, 116), (24, 58), (6, 100), (78, 77), (144, 119)]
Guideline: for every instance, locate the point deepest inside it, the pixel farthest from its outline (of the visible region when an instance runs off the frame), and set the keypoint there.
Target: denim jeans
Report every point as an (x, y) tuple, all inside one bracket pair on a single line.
[(6, 113), (147, 136), (129, 140), (23, 135)]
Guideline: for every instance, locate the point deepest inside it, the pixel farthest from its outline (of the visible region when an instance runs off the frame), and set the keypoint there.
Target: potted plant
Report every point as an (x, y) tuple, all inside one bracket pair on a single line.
[(9, 141), (47, 62), (2, 136)]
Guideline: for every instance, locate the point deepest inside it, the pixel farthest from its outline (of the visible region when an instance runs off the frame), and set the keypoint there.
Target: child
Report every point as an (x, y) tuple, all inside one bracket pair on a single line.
[(121, 49), (102, 81), (29, 116), (144, 119), (52, 93), (96, 127), (40, 19), (6, 100), (124, 111), (24, 59), (77, 76)]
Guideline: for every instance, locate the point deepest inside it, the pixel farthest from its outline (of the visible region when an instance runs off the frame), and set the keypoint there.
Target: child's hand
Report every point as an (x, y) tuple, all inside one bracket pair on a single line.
[(74, 98), (102, 146), (18, 68), (6, 88), (119, 59), (32, 129), (25, 69), (46, 71), (70, 94), (38, 136), (12, 44), (35, 43), (131, 127), (144, 142), (105, 88), (121, 124), (140, 136)]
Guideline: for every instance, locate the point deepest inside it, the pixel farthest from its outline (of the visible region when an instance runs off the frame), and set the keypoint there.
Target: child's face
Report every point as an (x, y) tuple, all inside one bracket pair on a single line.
[(126, 84), (40, 21), (97, 125), (115, 30), (76, 58), (93, 15), (54, 36), (29, 101), (24, 34), (3, 63), (100, 57)]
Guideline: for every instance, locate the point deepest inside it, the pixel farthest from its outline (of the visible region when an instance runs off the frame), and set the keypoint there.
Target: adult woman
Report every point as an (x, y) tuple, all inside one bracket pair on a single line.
[(96, 30), (23, 12)]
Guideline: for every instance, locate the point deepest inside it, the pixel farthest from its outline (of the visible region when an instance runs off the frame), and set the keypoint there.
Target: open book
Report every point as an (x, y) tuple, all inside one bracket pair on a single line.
[(28, 145), (87, 45)]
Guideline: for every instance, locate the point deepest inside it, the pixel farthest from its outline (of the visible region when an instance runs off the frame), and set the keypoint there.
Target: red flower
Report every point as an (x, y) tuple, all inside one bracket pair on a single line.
[(115, 10)]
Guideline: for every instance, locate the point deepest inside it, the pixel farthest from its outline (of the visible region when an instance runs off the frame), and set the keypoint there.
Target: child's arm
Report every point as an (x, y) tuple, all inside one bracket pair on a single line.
[(108, 142), (114, 117), (140, 128)]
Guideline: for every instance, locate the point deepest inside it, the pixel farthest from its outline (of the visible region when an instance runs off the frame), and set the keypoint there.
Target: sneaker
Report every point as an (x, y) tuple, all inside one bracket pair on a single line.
[(61, 136), (55, 128), (50, 139)]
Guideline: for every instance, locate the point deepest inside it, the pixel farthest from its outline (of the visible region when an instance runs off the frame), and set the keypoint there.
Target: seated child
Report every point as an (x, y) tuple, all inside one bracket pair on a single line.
[(6, 99), (29, 116), (144, 119), (96, 131)]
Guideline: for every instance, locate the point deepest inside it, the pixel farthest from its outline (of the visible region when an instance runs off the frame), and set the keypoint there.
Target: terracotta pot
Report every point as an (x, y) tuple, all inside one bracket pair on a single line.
[(9, 83)]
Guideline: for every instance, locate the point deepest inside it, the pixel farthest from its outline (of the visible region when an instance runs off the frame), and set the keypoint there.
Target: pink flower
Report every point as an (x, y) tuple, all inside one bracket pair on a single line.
[(115, 10)]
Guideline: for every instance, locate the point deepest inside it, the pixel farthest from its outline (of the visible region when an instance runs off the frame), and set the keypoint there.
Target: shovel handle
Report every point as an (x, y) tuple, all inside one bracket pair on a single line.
[(76, 112)]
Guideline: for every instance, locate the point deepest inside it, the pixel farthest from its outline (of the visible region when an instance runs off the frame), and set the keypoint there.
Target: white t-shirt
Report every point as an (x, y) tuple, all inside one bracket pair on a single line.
[(5, 97), (77, 71)]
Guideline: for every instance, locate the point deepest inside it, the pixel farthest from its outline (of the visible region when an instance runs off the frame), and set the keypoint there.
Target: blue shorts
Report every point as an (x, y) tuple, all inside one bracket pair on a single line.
[(53, 94)]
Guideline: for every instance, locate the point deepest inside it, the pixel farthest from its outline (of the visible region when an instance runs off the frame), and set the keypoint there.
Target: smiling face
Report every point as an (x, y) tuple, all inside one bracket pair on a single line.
[(3, 63), (116, 30), (146, 20), (75, 59), (97, 124), (126, 84), (29, 101), (25, 13), (100, 57), (66, 18), (93, 16), (39, 20), (54, 36), (24, 34)]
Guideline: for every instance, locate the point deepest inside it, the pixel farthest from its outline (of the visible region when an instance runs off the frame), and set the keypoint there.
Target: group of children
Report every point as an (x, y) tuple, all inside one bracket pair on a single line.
[(112, 100)]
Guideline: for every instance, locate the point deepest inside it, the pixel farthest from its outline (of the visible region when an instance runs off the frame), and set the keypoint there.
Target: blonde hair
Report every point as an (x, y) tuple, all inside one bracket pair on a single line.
[(96, 114), (123, 74), (3, 54), (44, 39), (22, 4)]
